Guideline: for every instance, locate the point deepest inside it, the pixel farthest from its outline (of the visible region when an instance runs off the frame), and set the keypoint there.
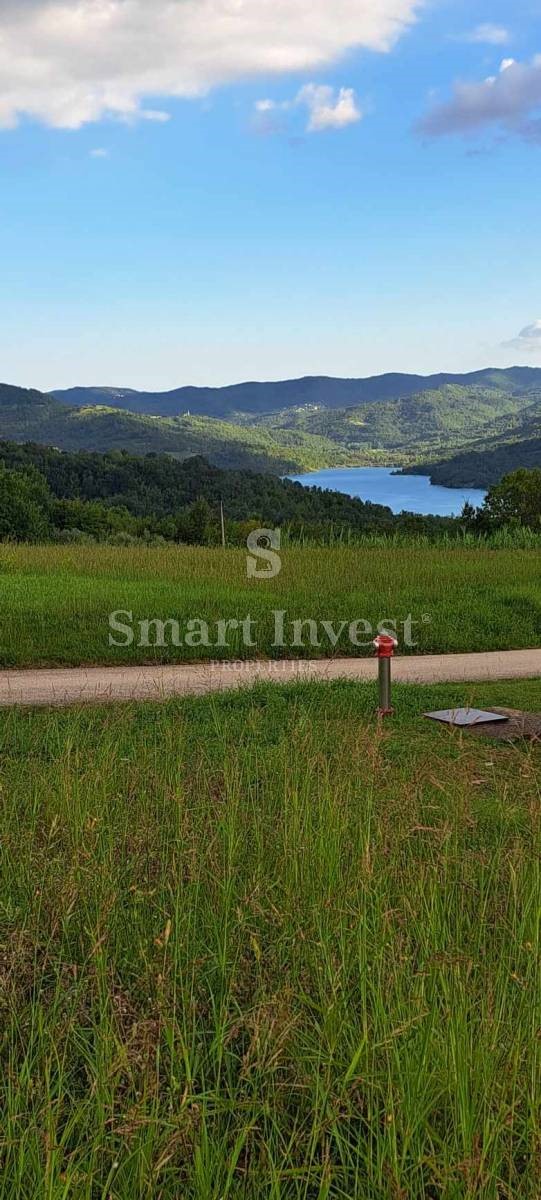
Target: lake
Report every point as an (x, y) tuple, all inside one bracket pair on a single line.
[(409, 493)]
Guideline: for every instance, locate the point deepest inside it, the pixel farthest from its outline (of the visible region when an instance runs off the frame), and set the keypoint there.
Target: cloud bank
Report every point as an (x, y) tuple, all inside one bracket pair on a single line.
[(70, 62), (509, 100)]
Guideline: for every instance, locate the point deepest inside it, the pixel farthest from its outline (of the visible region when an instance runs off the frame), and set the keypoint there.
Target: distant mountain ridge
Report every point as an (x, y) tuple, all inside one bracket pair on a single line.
[(253, 399), (388, 420)]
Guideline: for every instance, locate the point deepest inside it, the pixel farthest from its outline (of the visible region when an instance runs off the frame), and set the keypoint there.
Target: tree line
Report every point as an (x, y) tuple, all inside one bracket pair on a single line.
[(47, 494)]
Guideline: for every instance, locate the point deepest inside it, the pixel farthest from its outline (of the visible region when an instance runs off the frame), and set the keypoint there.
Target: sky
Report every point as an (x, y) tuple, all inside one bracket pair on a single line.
[(210, 191)]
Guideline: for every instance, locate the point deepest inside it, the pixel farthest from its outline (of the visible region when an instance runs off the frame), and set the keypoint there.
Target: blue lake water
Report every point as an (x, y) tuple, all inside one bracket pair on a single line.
[(402, 493)]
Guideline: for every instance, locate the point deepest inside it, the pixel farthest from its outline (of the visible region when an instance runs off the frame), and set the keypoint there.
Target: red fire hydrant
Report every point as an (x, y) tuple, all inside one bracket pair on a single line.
[(385, 645)]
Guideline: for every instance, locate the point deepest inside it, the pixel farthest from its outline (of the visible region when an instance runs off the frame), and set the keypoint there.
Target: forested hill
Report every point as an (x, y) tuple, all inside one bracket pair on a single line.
[(425, 424), (423, 427), (160, 486), (483, 467), (259, 398), (29, 415)]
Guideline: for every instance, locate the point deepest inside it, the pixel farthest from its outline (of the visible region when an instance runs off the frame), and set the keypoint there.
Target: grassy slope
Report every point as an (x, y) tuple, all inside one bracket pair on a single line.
[(56, 601), (252, 947)]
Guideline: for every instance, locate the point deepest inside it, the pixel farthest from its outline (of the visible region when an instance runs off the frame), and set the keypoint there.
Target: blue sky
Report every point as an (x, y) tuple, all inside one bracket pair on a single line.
[(218, 216)]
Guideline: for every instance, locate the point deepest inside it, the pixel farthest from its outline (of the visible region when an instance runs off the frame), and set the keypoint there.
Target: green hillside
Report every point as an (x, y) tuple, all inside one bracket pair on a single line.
[(516, 442), (483, 467), (33, 416), (451, 415), (414, 428)]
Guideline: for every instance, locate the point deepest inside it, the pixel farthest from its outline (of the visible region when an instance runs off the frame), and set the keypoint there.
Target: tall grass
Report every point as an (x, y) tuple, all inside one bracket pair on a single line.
[(56, 601), (255, 946), (507, 538)]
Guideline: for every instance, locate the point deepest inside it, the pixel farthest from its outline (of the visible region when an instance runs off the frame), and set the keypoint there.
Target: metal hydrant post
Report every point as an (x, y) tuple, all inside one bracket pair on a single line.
[(385, 645)]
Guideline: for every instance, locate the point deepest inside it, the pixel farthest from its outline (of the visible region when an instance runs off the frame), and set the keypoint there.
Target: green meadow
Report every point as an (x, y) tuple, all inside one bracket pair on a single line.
[(56, 601), (257, 946)]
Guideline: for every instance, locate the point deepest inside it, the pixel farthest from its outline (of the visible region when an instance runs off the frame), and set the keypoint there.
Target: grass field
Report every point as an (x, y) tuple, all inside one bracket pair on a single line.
[(55, 602), (255, 947)]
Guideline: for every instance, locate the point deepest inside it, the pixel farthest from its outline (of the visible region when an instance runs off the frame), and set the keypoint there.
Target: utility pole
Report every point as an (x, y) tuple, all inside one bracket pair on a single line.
[(222, 520)]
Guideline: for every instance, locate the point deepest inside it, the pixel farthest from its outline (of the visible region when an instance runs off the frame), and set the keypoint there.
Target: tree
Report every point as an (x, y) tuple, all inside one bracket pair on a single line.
[(468, 514), (515, 500), (25, 503), (199, 525)]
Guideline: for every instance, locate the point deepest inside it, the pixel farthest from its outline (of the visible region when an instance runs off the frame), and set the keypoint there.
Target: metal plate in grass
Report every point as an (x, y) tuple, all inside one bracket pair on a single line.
[(466, 716), (519, 726)]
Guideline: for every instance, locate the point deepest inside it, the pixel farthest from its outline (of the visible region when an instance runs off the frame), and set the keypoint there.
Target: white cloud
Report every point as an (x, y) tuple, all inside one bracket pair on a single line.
[(489, 35), (99, 152), (528, 340), (154, 114), (328, 108), (509, 100), (70, 62)]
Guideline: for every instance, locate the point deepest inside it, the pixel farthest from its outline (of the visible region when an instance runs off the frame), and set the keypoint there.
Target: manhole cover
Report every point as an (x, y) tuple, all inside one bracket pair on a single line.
[(503, 724), (465, 716)]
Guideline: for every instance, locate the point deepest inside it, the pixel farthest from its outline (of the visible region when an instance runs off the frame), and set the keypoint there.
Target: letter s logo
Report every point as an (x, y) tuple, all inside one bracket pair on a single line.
[(271, 540)]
